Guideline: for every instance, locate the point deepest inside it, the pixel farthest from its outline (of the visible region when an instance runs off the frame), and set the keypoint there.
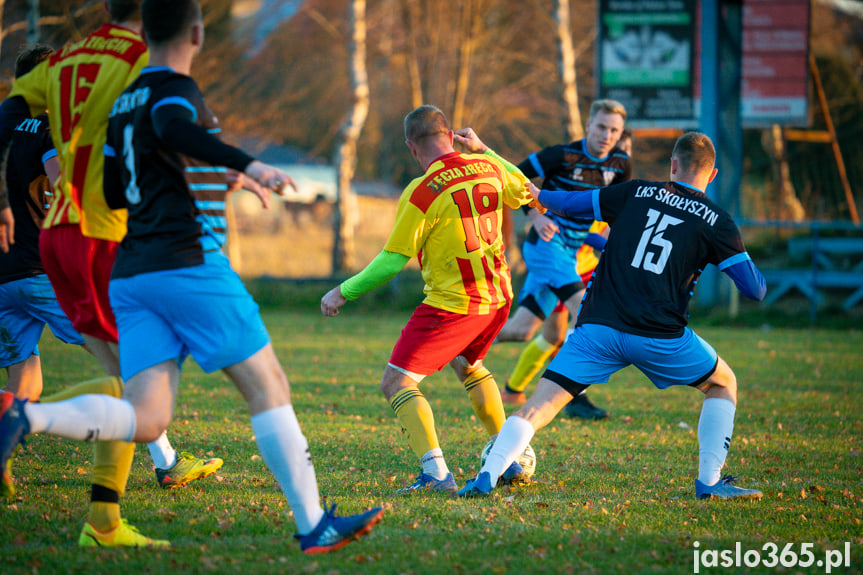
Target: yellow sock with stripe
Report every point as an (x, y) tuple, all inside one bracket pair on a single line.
[(112, 460), (112, 386), (485, 399), (531, 360), (415, 415)]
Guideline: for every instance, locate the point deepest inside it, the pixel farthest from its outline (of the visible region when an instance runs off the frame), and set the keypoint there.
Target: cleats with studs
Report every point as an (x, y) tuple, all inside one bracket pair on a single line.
[(426, 482), (188, 468), (124, 535), (333, 532), (478, 487), (514, 475), (723, 489), (14, 426), (582, 408)]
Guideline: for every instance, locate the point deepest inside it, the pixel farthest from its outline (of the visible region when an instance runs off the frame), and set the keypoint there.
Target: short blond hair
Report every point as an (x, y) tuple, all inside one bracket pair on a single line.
[(607, 106)]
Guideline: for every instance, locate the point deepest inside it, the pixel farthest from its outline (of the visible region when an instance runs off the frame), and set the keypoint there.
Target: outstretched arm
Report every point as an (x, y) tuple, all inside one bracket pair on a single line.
[(381, 270), (745, 276), (572, 204)]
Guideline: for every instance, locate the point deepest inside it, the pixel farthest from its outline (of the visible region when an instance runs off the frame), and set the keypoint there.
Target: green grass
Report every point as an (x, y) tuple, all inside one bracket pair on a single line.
[(610, 497)]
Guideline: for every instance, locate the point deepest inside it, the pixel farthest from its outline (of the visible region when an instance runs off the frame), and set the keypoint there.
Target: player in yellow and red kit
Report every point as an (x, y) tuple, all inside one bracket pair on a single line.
[(450, 218), (78, 85)]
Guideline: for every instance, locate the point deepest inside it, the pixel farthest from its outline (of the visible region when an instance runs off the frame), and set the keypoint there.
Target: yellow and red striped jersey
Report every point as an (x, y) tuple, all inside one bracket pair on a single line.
[(78, 85), (586, 258), (451, 219)]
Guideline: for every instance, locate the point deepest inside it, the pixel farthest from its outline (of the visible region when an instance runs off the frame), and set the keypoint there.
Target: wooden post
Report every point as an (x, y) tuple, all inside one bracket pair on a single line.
[(834, 142)]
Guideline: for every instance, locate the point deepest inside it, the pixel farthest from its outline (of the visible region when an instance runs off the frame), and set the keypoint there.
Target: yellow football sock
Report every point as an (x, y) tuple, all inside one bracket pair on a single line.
[(112, 460), (485, 399), (415, 414), (112, 386), (531, 360), (104, 516)]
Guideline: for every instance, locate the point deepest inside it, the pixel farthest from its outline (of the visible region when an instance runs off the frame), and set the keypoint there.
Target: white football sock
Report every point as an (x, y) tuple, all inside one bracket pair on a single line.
[(90, 417), (164, 456), (434, 463), (714, 436), (286, 452), (514, 436)]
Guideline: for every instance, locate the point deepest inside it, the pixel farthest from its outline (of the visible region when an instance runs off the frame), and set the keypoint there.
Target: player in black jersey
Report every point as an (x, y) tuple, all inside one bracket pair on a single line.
[(172, 289), (550, 250), (27, 301), (662, 236)]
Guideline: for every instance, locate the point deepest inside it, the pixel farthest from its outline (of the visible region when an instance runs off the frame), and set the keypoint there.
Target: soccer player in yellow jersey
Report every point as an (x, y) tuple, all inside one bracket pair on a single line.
[(450, 218), (78, 244)]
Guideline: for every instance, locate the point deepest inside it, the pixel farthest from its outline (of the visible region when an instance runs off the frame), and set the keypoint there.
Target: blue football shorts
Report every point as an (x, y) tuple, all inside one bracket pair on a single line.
[(26, 306), (550, 269), (593, 352), (203, 310)]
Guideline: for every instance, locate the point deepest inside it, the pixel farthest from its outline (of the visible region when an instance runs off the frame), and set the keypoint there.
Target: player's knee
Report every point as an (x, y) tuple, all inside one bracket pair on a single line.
[(150, 428), (722, 381)]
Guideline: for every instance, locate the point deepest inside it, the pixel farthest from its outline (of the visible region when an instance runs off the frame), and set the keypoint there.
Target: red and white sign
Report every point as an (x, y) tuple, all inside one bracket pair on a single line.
[(775, 84)]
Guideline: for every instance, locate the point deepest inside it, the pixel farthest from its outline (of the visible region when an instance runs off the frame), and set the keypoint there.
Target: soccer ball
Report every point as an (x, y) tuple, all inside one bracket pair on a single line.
[(527, 459)]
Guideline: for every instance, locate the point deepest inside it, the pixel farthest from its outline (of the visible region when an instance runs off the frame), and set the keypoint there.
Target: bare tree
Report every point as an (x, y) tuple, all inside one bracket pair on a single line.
[(346, 154), (411, 19), (469, 31), (574, 128)]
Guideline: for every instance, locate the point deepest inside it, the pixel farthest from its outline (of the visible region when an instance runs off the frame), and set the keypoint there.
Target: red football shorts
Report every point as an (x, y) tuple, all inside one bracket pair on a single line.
[(434, 337), (79, 269), (559, 308)]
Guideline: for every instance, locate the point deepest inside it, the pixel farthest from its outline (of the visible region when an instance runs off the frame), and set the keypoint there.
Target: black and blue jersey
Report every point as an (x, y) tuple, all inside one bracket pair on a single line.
[(165, 165), (29, 194), (662, 236), (571, 167)]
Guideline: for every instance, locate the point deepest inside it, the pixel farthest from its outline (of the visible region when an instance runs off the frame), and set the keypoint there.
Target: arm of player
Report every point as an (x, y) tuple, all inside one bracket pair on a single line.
[(112, 181), (7, 229), (572, 204), (596, 241), (381, 270), (174, 124), (745, 276)]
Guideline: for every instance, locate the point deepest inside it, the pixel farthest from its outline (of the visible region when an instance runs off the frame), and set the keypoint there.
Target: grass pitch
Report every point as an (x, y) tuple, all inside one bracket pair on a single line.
[(614, 496)]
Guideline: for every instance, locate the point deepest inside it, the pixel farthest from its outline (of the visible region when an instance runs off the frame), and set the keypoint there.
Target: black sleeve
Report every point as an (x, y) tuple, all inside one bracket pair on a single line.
[(174, 113), (12, 111), (112, 179)]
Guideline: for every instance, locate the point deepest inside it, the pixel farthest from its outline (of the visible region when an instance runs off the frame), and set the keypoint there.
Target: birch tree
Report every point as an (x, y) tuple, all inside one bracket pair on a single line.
[(574, 127), (345, 213)]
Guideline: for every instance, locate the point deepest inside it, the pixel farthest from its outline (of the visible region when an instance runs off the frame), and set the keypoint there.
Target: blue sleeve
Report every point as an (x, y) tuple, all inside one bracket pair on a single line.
[(596, 241), (582, 204), (745, 275)]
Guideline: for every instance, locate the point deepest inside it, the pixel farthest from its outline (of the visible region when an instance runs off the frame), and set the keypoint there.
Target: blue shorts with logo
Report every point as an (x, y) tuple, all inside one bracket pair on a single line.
[(550, 266), (26, 306), (593, 352), (203, 310)]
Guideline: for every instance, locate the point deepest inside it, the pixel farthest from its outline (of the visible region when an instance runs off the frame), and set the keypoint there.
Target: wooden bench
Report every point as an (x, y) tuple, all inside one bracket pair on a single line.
[(808, 282)]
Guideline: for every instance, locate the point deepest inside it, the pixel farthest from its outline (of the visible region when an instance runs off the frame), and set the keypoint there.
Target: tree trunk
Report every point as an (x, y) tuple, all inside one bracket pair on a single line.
[(465, 57), (411, 19), (346, 154), (789, 206), (574, 128)]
